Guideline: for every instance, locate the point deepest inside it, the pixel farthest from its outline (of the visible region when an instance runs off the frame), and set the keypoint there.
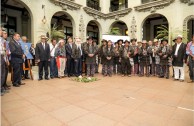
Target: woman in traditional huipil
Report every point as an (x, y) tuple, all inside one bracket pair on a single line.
[(60, 55)]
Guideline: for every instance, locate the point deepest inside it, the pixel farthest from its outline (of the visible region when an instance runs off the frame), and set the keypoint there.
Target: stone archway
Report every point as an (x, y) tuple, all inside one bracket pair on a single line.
[(150, 26), (121, 26), (94, 29), (185, 26), (65, 22), (20, 14)]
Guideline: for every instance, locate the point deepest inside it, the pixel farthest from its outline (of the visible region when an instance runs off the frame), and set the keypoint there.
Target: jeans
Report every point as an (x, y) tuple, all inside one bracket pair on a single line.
[(53, 68)]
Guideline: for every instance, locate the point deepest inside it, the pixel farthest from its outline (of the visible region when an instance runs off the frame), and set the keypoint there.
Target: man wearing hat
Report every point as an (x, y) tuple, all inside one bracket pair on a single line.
[(157, 58), (43, 57), (101, 51), (144, 55), (190, 53), (135, 67), (125, 53), (90, 51), (178, 55), (164, 53)]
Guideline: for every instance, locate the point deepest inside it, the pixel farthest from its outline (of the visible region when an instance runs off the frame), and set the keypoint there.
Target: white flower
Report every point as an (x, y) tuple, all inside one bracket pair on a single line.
[(89, 78)]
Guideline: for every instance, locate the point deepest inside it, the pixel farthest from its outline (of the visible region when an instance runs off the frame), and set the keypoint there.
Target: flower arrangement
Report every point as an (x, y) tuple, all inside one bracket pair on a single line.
[(85, 79)]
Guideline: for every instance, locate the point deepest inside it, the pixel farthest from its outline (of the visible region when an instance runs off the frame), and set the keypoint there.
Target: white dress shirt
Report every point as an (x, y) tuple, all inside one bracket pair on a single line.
[(52, 50), (177, 48)]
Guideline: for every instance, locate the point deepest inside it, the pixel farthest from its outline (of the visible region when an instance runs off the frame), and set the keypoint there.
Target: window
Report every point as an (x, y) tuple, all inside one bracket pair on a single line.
[(11, 24), (94, 4), (68, 31), (118, 5)]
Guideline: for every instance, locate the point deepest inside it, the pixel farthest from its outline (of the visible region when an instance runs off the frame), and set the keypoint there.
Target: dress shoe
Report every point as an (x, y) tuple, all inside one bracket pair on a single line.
[(27, 78), (40, 79), (181, 80), (190, 81), (22, 83), (176, 79), (16, 85), (46, 78)]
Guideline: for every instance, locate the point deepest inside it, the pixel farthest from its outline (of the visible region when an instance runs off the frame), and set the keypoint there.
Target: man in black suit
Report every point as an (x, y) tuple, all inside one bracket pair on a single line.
[(178, 54), (70, 60), (17, 59), (43, 57)]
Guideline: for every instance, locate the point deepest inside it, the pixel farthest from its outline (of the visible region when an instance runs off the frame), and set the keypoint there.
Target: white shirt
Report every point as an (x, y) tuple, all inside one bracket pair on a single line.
[(52, 50), (177, 48)]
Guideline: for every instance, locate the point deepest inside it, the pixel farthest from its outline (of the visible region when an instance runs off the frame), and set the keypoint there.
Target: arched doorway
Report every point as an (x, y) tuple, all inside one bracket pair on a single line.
[(190, 27), (17, 17), (93, 31), (62, 21), (118, 28), (152, 25)]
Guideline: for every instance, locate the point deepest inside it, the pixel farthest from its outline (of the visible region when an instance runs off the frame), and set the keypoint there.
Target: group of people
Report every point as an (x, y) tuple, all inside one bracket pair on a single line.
[(12, 59), (75, 58), (152, 58)]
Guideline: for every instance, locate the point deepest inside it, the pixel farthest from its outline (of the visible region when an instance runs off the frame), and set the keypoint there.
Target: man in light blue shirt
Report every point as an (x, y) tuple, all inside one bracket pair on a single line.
[(190, 53)]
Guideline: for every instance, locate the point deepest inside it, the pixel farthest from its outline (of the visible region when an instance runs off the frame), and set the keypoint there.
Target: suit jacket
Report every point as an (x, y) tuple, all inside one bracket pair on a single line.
[(91, 60), (76, 52), (16, 52), (69, 50), (181, 55), (41, 53), (108, 53)]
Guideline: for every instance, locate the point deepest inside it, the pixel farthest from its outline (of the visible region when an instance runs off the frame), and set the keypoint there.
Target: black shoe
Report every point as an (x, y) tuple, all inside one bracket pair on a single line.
[(27, 78), (52, 77), (22, 83), (161, 76), (46, 78), (16, 85), (40, 79)]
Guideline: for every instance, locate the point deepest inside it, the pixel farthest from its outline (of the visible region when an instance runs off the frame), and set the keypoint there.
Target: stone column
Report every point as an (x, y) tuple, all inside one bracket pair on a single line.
[(105, 5)]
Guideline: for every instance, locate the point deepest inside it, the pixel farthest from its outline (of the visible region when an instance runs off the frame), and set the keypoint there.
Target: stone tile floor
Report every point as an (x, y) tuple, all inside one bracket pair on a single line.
[(116, 101)]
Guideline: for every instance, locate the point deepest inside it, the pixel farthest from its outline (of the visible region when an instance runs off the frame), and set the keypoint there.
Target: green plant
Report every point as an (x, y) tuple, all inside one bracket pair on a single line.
[(115, 31), (53, 32), (162, 32)]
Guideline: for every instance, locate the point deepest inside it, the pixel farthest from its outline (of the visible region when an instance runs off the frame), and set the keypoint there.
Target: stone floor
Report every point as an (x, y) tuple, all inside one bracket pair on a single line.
[(116, 101)]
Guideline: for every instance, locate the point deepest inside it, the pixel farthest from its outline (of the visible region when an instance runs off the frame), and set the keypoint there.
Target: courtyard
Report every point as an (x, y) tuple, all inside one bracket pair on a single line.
[(116, 101)]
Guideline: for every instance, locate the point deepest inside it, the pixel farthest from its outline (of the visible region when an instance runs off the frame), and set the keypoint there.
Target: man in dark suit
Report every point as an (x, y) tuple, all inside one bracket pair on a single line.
[(77, 54), (17, 59), (43, 57), (70, 61), (178, 55)]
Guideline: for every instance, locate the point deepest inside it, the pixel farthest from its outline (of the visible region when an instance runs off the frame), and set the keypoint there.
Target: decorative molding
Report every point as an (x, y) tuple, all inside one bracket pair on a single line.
[(153, 6), (82, 28), (112, 15), (189, 2), (133, 28), (95, 13), (66, 4)]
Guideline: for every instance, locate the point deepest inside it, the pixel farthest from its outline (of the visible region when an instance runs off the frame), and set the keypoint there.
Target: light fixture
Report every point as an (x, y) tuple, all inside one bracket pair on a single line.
[(126, 32), (44, 18)]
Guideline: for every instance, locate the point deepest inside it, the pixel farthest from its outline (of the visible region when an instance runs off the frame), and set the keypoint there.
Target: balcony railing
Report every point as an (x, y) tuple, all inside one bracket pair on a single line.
[(119, 7), (94, 5), (147, 1)]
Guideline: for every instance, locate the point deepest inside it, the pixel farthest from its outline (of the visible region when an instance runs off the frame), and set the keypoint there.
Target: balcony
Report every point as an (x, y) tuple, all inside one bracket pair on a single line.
[(116, 5), (94, 5)]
